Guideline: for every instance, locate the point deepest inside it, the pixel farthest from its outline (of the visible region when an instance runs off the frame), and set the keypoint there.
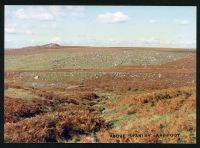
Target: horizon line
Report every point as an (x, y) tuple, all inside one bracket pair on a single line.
[(90, 46)]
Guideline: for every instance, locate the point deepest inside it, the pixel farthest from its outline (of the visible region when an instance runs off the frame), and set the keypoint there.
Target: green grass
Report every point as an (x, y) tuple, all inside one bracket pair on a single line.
[(56, 76), (74, 139), (63, 76), (124, 120), (19, 93), (59, 60)]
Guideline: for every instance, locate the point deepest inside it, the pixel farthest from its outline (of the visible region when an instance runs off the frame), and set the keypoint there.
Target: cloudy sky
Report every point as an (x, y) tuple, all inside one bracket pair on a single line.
[(144, 26)]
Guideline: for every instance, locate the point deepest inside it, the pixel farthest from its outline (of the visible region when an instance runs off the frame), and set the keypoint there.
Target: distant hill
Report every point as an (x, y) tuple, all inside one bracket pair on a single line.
[(50, 45), (54, 47)]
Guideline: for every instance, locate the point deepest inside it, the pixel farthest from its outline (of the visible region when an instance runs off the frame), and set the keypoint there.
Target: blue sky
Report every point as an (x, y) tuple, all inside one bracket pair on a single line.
[(132, 26)]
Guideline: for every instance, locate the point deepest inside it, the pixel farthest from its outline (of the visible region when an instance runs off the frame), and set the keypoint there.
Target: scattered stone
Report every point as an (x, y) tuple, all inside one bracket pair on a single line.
[(36, 77)]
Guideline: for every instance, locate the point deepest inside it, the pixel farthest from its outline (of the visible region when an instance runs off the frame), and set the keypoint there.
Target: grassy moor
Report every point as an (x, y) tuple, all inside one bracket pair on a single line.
[(77, 94)]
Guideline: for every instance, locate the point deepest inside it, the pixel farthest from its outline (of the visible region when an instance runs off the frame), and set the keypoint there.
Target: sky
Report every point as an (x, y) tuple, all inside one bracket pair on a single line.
[(122, 26)]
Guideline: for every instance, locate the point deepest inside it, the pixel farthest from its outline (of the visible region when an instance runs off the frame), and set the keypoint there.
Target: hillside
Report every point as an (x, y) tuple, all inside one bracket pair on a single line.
[(99, 95)]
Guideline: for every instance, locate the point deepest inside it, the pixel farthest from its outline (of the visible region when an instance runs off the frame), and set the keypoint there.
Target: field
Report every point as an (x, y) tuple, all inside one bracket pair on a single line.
[(100, 95)]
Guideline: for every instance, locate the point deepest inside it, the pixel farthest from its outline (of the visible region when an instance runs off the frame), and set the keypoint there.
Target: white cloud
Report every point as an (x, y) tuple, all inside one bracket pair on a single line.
[(8, 40), (67, 10), (153, 21), (53, 25), (167, 42), (116, 17), (55, 39), (33, 13), (10, 30), (48, 13), (28, 32), (49, 25), (186, 42), (150, 40), (75, 10), (182, 22), (153, 41)]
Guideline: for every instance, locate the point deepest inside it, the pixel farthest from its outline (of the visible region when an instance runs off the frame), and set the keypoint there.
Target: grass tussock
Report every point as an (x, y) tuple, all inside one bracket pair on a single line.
[(168, 111), (181, 127)]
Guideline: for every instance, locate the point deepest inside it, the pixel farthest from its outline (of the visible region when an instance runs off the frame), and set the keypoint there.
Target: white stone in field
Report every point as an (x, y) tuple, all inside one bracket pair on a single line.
[(34, 84), (72, 74), (159, 75), (36, 77)]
